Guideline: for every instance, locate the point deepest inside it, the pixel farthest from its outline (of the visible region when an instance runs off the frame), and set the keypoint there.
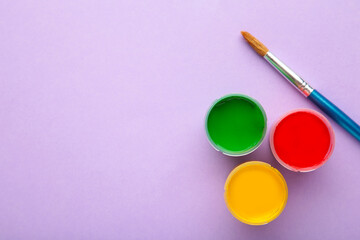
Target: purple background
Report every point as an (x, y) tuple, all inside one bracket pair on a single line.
[(102, 109)]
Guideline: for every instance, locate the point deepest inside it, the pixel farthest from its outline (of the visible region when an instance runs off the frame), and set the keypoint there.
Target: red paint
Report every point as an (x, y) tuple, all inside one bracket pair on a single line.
[(303, 140)]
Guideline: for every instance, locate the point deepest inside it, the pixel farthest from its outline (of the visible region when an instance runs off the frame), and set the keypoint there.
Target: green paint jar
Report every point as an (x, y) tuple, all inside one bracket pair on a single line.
[(236, 124)]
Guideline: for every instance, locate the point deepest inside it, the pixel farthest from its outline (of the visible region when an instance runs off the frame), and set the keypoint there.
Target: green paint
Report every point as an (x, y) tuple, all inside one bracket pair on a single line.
[(236, 124)]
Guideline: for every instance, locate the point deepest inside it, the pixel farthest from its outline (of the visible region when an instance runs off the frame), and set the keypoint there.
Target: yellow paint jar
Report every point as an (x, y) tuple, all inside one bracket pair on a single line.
[(255, 193)]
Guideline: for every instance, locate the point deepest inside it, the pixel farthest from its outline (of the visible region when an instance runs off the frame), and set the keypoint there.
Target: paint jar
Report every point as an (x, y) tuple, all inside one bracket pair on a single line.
[(255, 193), (236, 124), (302, 140)]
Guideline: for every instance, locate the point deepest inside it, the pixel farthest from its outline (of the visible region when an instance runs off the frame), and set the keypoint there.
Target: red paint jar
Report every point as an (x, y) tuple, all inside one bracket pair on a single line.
[(302, 140)]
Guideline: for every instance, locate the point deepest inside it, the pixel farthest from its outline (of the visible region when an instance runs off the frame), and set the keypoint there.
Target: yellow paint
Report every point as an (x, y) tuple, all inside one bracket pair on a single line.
[(255, 193)]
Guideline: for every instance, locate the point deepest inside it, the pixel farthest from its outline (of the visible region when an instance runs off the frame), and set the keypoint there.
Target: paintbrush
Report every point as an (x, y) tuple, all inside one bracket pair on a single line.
[(323, 103)]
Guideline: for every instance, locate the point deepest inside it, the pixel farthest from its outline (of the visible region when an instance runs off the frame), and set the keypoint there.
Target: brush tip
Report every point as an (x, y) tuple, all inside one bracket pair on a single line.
[(258, 46)]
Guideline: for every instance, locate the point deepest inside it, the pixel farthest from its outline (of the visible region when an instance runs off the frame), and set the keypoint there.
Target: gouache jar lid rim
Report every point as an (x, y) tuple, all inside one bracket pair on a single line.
[(226, 151), (274, 171), (323, 119)]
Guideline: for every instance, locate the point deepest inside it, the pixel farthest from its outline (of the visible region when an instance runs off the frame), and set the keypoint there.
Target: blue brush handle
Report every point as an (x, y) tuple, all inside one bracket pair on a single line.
[(335, 113)]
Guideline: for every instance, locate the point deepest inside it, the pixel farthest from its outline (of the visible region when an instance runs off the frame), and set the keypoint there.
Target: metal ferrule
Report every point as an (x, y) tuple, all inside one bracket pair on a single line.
[(289, 74)]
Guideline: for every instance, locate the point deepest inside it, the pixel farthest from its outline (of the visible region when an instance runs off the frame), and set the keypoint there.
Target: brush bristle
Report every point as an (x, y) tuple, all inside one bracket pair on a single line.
[(260, 48)]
